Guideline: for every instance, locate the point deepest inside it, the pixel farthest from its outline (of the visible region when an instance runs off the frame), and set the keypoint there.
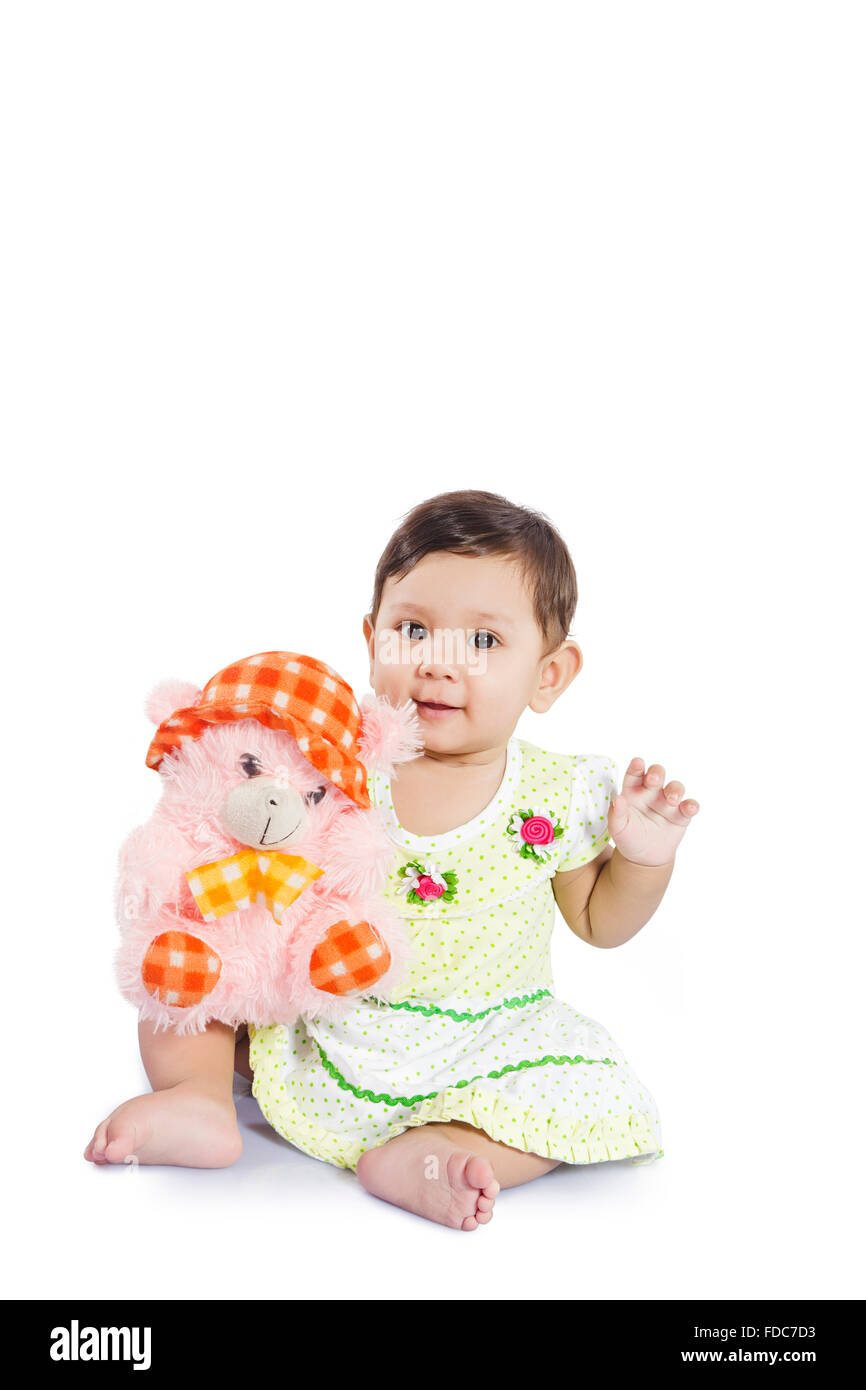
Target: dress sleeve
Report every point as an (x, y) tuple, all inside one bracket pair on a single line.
[(593, 787)]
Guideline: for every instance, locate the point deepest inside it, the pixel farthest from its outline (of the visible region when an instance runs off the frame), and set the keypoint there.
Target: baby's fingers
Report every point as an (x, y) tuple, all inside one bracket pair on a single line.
[(639, 779), (648, 780), (673, 797), (643, 787), (633, 774)]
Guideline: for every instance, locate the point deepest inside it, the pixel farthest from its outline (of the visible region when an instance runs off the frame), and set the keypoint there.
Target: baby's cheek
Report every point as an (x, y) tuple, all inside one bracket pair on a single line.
[(394, 685)]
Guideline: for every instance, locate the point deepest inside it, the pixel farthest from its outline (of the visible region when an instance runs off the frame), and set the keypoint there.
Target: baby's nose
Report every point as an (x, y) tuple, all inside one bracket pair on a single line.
[(443, 655)]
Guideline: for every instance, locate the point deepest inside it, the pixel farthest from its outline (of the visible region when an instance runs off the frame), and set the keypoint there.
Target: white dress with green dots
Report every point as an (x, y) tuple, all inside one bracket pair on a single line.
[(475, 1033)]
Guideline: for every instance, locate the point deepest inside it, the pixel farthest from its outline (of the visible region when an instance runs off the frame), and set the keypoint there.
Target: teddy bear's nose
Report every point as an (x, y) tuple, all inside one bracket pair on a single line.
[(258, 813)]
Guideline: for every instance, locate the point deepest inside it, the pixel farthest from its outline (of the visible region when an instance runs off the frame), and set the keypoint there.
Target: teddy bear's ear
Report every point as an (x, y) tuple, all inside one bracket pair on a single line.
[(390, 734), (169, 696)]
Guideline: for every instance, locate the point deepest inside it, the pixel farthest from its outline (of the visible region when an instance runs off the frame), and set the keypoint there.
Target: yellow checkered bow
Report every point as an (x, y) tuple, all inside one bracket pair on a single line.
[(267, 878)]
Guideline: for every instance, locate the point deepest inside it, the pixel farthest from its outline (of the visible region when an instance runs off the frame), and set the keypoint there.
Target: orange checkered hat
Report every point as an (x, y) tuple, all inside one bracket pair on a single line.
[(283, 690)]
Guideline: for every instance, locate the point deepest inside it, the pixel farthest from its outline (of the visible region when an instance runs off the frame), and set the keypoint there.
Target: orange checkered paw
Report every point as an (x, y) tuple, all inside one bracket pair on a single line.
[(179, 969), (349, 959)]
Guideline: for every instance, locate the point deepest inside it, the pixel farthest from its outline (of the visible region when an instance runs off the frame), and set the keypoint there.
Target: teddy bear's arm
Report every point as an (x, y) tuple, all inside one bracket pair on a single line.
[(152, 871)]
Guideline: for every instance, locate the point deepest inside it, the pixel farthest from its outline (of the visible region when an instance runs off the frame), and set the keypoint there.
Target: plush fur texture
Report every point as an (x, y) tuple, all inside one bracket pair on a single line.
[(168, 696), (390, 734), (265, 964)]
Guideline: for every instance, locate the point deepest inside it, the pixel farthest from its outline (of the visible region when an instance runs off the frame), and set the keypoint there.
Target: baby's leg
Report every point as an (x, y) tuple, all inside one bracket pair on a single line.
[(189, 1119), (450, 1173), (242, 1054)]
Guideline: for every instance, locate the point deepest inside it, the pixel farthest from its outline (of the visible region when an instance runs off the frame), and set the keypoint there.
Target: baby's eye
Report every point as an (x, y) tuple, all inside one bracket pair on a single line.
[(250, 765), (410, 624), (313, 798), (484, 646)]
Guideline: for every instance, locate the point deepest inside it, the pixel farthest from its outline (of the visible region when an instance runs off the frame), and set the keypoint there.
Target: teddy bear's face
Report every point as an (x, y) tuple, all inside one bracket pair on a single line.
[(264, 810), (249, 782)]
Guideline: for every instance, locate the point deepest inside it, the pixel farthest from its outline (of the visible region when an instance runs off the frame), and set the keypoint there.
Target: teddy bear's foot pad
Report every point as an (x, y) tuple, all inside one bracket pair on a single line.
[(180, 969), (349, 959)]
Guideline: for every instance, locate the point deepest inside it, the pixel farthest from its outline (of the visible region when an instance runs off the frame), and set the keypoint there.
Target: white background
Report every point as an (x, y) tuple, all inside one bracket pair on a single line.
[(274, 273)]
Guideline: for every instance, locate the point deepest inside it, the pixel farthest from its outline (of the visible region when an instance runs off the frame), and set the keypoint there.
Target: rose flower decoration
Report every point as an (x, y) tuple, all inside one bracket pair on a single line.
[(534, 836)]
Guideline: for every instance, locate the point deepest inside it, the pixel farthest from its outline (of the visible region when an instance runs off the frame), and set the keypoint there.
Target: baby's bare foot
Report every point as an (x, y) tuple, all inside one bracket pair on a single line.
[(425, 1172), (184, 1125)]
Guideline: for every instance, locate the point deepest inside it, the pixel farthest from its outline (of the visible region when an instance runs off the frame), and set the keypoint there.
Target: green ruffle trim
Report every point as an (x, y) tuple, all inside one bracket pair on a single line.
[(628, 1136), (383, 1099), (429, 1009)]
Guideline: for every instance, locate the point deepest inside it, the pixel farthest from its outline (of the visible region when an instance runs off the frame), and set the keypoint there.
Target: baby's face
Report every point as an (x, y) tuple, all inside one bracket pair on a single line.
[(458, 635)]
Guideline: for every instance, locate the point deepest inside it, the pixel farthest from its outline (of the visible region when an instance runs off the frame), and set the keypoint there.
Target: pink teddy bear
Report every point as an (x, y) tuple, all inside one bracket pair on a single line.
[(253, 894)]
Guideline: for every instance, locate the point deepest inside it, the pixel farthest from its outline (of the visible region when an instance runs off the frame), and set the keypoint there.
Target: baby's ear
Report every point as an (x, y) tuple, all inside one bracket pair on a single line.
[(169, 696), (390, 734)]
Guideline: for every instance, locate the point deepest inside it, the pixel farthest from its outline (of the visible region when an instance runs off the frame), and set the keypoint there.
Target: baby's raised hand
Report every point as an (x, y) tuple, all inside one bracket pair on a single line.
[(646, 819)]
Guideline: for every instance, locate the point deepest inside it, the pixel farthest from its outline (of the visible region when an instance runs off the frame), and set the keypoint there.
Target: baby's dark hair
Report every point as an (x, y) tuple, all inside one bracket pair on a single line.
[(471, 522)]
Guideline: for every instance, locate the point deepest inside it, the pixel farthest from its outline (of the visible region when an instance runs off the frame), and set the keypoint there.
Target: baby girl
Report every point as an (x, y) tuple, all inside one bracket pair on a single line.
[(474, 1076)]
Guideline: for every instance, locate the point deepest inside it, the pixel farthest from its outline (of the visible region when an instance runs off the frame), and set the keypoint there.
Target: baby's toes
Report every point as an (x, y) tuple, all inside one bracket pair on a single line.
[(121, 1140), (95, 1151), (479, 1173)]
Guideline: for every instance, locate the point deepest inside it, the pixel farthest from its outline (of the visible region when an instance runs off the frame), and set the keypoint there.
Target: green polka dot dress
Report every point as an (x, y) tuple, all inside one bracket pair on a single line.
[(475, 1033)]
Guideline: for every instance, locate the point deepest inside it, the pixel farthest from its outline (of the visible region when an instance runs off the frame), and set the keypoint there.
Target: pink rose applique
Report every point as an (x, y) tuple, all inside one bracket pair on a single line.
[(427, 888), (423, 883), (534, 836), (537, 830)]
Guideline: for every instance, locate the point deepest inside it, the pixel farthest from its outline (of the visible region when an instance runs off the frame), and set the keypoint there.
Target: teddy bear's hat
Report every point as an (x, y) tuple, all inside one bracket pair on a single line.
[(283, 690)]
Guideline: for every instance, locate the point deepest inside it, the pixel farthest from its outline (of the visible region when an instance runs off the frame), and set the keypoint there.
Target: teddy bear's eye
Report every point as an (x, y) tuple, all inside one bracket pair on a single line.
[(313, 798), (250, 765)]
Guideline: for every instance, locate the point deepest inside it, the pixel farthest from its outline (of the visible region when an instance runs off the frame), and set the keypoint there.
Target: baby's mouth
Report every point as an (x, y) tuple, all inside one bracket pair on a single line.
[(435, 707)]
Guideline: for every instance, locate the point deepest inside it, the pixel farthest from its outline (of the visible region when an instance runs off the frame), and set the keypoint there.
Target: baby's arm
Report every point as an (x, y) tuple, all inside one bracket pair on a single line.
[(573, 889), (607, 901), (624, 898)]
